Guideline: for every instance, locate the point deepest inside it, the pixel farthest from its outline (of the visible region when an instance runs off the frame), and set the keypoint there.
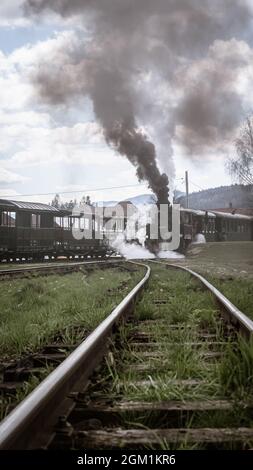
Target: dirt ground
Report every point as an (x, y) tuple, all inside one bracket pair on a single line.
[(223, 259)]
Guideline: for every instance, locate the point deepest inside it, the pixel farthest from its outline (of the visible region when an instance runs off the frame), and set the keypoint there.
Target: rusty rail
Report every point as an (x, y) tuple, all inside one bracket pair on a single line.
[(36, 414), (56, 266), (239, 320)]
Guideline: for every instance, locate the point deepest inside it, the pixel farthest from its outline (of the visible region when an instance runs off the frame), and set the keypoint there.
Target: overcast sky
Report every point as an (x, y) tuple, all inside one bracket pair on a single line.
[(50, 147)]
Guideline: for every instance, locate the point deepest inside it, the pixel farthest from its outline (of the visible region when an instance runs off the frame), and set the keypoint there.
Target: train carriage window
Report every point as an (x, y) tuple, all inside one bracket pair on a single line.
[(75, 222), (213, 225), (187, 218), (58, 222), (35, 220), (84, 223), (66, 223), (8, 219)]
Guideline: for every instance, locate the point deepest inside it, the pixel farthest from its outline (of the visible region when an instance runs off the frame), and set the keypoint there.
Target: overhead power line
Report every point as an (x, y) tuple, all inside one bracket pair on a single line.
[(197, 186), (86, 190)]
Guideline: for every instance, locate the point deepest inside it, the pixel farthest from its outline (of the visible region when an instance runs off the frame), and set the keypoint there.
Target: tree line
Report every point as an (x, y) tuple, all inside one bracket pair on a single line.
[(59, 204)]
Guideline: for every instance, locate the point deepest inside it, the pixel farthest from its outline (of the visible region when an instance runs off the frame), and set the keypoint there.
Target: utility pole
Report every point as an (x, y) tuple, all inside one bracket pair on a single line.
[(187, 189)]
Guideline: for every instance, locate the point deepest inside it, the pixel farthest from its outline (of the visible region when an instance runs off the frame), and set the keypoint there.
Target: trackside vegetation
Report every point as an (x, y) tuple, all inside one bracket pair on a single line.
[(34, 310)]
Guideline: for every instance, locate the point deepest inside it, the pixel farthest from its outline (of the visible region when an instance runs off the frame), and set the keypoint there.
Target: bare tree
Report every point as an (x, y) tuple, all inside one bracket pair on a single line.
[(56, 201), (241, 166)]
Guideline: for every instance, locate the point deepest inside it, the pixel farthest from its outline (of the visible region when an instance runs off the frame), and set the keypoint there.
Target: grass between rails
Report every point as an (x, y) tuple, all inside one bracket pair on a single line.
[(33, 310), (191, 306)]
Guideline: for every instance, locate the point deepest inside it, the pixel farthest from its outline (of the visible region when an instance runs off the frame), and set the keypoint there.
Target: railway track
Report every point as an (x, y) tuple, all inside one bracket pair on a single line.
[(148, 377), (54, 268)]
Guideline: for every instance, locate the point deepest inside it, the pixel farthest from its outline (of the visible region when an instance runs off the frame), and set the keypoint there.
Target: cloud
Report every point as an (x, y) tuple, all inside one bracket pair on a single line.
[(9, 177), (194, 54), (27, 118), (33, 145), (182, 67), (17, 69), (219, 91), (34, 140), (12, 15), (29, 134), (30, 146)]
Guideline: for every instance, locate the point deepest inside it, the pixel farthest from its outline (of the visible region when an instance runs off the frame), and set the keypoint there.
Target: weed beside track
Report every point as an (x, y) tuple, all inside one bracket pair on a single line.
[(177, 349)]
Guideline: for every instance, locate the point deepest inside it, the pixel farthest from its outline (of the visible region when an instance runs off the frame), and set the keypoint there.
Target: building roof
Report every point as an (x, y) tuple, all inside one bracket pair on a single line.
[(219, 213), (240, 211), (31, 206), (198, 212), (230, 215)]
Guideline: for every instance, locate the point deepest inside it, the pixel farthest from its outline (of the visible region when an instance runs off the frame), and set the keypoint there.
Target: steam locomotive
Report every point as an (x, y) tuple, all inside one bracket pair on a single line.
[(36, 230)]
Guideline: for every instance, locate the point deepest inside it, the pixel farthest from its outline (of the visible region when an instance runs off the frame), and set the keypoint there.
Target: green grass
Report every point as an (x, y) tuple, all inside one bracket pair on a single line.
[(8, 402), (228, 266), (34, 310), (189, 305), (238, 290), (236, 370)]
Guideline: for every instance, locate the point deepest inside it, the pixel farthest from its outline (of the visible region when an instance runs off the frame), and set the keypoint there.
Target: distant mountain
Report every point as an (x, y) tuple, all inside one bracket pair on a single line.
[(142, 199), (136, 200), (234, 196), (178, 194), (105, 203)]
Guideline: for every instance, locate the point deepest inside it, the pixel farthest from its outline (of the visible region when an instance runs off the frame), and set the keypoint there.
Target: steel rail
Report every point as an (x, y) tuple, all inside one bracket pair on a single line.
[(236, 317), (70, 265), (36, 413)]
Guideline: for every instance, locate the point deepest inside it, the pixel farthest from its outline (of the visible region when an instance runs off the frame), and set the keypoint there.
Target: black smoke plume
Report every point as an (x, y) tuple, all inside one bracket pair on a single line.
[(194, 48)]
